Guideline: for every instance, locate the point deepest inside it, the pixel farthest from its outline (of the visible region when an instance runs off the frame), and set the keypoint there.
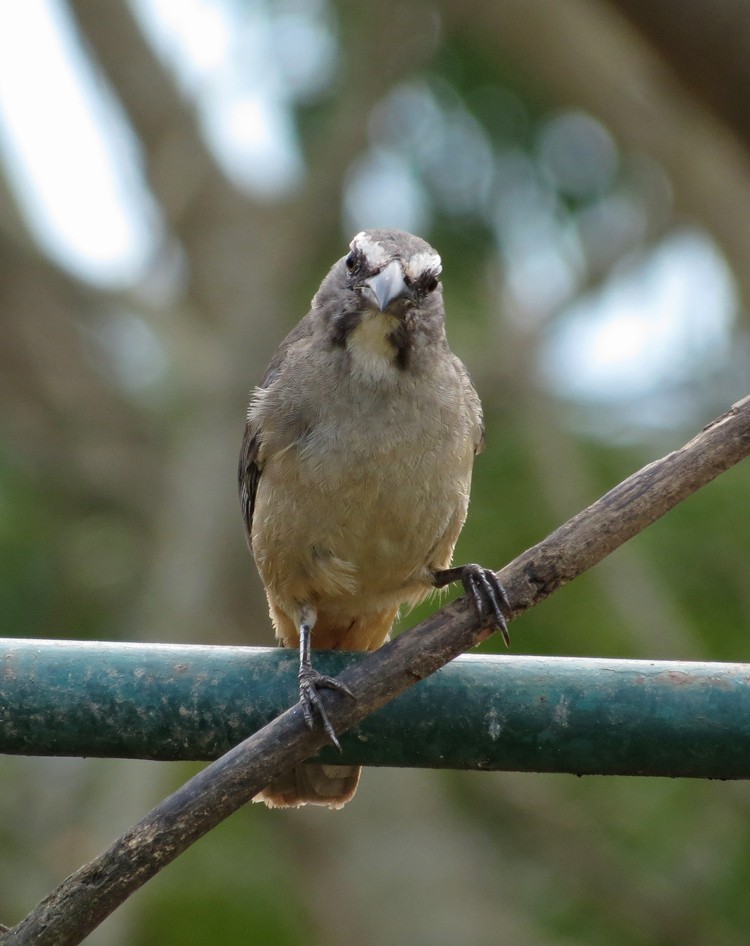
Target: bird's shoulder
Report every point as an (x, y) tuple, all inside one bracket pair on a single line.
[(299, 337), (473, 404)]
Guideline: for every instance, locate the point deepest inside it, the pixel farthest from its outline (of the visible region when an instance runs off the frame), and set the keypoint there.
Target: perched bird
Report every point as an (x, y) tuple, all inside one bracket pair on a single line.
[(355, 472)]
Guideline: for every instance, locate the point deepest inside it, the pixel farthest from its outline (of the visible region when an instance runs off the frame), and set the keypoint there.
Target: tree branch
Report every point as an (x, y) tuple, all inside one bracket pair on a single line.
[(89, 895)]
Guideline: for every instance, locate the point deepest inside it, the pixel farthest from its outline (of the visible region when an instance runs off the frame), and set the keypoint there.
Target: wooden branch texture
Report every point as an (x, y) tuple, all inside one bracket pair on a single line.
[(88, 896)]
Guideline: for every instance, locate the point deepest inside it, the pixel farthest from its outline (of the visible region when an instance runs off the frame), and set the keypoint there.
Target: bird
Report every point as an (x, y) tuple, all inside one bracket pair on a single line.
[(355, 472)]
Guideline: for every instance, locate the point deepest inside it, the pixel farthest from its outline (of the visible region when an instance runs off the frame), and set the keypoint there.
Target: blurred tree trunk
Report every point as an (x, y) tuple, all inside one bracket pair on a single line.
[(707, 44)]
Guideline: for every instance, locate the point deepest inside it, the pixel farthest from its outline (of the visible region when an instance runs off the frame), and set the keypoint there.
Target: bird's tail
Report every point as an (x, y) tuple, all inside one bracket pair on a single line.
[(312, 784)]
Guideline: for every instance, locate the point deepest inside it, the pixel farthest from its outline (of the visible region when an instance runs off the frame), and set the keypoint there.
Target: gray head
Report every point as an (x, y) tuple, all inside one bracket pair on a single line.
[(390, 276)]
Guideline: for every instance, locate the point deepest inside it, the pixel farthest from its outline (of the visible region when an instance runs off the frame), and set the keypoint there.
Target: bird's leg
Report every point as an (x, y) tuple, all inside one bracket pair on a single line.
[(310, 681), (485, 590)]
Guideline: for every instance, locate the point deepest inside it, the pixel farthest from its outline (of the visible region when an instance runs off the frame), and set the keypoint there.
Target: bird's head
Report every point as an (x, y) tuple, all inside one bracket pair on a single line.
[(391, 270), (387, 286), (385, 270)]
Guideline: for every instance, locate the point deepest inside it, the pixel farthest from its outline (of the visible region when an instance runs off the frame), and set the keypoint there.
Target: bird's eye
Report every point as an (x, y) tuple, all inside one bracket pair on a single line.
[(350, 262), (430, 284)]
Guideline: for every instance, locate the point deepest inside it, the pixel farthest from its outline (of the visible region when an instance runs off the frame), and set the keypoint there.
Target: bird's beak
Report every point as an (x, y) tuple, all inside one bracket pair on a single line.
[(387, 285)]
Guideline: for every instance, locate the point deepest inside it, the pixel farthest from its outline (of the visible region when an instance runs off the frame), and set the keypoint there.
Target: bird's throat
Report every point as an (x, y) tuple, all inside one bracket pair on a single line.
[(371, 345)]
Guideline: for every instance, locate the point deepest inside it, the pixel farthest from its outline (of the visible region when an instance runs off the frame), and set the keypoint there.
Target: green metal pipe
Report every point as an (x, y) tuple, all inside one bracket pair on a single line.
[(540, 714)]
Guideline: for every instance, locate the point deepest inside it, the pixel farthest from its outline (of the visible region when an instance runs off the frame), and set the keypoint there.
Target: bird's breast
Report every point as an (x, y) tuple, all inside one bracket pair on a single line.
[(363, 502)]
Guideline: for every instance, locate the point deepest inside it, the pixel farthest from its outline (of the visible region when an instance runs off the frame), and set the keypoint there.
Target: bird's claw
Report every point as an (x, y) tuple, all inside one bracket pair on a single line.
[(486, 591), (489, 597), (310, 682)]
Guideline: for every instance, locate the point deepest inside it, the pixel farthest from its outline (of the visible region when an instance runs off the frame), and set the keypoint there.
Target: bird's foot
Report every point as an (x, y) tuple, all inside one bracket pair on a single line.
[(485, 590), (310, 682)]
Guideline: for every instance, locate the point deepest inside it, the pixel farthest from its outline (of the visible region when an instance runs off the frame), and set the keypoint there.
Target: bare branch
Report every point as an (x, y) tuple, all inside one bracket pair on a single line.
[(89, 895)]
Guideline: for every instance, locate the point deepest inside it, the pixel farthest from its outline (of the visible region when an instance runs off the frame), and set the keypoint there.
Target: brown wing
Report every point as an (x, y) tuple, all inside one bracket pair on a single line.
[(248, 476), (249, 471)]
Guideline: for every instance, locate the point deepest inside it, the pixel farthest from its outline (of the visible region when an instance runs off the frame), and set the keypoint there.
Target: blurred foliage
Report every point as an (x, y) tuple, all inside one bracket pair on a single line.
[(123, 408), (240, 901)]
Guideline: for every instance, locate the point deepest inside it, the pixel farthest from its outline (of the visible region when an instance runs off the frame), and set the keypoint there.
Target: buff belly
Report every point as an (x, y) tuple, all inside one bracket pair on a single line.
[(355, 549)]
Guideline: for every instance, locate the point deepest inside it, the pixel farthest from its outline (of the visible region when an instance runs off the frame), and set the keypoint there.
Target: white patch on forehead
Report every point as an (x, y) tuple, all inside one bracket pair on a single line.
[(426, 262), (374, 252)]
